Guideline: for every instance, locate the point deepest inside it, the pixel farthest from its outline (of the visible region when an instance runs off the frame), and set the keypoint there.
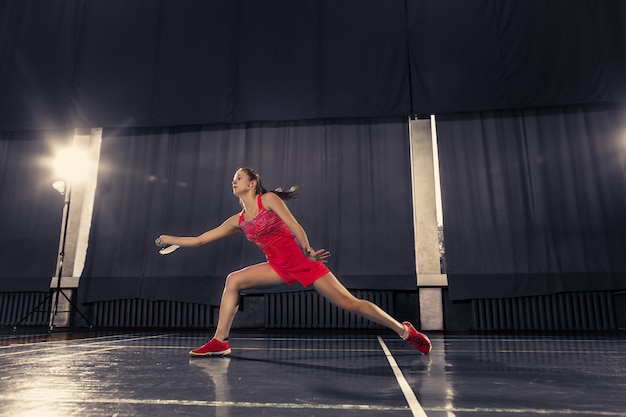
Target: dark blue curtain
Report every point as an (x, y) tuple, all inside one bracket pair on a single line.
[(507, 54), (534, 200), (355, 200), (121, 63), (146, 63), (141, 64)]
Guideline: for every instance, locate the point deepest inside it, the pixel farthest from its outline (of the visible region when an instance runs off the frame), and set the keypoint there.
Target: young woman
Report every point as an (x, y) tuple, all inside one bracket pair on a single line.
[(266, 221)]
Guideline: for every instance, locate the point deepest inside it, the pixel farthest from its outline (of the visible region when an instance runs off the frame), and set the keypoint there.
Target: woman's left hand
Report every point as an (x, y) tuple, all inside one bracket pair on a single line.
[(320, 255)]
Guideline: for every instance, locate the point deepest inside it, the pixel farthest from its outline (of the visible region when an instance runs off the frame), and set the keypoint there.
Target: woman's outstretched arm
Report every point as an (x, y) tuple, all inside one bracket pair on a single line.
[(228, 228)]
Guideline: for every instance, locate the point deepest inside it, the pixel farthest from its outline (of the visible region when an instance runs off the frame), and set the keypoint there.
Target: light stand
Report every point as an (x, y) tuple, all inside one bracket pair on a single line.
[(57, 291)]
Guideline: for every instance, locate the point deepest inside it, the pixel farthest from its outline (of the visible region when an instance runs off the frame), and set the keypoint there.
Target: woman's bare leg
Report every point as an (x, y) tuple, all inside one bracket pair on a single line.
[(333, 290), (253, 276)]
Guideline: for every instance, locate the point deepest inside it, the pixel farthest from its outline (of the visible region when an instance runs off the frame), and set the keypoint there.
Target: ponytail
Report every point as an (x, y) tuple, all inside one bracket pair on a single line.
[(283, 194)]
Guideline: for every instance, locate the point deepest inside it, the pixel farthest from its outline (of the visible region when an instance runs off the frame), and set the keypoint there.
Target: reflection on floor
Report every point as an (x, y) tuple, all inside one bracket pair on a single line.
[(311, 374)]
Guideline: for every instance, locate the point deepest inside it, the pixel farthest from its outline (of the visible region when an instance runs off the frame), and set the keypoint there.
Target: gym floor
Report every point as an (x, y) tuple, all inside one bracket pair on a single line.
[(100, 373)]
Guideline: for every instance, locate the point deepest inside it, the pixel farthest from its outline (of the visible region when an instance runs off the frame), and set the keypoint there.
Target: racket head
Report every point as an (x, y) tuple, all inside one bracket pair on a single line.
[(168, 249)]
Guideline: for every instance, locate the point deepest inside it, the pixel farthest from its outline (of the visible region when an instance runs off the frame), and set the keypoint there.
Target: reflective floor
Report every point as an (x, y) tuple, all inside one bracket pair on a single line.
[(310, 374)]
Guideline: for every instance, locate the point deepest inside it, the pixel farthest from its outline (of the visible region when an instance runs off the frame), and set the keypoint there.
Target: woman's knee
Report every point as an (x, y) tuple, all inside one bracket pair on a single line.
[(233, 281)]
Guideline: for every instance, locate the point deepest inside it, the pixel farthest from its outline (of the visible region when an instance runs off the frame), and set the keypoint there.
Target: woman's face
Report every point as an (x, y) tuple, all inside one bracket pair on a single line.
[(241, 183)]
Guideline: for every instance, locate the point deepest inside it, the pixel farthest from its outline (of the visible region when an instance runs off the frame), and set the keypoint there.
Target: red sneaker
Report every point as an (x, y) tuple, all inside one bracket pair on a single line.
[(419, 340), (212, 347)]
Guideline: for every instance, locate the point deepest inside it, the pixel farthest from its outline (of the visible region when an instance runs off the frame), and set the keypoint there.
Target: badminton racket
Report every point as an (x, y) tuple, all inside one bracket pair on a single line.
[(168, 249)]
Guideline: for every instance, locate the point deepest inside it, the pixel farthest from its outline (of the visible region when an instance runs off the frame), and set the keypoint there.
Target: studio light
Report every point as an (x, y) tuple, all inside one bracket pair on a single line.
[(59, 186), (71, 164)]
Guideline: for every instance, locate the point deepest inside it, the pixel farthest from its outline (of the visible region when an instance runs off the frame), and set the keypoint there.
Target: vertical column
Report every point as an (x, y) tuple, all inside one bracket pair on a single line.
[(79, 201), (427, 256)]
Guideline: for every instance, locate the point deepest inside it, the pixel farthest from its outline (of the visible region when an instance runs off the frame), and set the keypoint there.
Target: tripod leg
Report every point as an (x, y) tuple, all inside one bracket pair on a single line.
[(89, 324), (33, 311)]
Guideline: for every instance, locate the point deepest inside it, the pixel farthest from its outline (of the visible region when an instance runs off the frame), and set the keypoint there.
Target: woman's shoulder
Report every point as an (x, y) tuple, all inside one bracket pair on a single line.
[(269, 199), (235, 219)]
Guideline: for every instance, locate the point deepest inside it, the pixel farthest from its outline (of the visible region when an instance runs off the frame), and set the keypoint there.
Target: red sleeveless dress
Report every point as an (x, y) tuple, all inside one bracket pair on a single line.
[(281, 249)]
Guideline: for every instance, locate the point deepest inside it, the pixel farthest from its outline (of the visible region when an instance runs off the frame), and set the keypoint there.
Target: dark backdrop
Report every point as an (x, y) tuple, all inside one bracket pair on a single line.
[(141, 63), (95, 63), (534, 200)]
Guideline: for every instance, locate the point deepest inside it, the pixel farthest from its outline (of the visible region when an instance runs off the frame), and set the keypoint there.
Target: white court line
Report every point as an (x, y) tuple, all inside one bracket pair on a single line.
[(414, 405), (206, 403), (47, 346)]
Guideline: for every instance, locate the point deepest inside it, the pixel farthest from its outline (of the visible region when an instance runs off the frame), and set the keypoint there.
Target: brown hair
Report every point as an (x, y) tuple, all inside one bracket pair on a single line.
[(284, 195)]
